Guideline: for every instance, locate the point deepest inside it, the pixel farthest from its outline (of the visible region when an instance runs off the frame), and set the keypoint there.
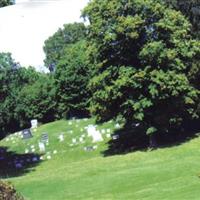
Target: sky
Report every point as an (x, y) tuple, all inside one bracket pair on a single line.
[(25, 26)]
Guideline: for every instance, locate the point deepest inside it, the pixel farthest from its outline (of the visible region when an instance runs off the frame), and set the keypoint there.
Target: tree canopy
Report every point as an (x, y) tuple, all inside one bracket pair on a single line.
[(54, 46), (24, 94), (143, 52), (189, 8), (72, 76)]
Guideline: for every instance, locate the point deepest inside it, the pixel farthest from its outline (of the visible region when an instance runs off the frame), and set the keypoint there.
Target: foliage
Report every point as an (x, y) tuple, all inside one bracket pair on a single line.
[(5, 3), (71, 77), (24, 94), (37, 101), (12, 79), (55, 45), (190, 8), (7, 192), (143, 52)]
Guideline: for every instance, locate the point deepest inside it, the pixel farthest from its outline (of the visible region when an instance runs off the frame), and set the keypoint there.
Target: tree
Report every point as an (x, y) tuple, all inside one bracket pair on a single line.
[(13, 78), (37, 101), (55, 45), (5, 3), (142, 52), (189, 8), (71, 77)]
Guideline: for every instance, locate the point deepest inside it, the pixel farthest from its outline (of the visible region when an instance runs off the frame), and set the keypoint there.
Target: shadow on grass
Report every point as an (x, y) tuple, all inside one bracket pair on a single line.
[(13, 164), (134, 139)]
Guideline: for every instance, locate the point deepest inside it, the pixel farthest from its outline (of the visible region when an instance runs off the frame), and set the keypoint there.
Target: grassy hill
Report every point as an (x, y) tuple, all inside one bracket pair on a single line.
[(68, 171)]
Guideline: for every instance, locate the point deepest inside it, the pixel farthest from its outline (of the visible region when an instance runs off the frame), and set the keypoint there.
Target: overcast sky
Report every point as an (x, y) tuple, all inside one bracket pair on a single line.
[(25, 26)]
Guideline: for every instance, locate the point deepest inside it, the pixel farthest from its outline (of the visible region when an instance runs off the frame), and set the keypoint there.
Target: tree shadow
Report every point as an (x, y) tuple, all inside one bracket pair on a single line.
[(13, 164), (134, 139), (126, 141)]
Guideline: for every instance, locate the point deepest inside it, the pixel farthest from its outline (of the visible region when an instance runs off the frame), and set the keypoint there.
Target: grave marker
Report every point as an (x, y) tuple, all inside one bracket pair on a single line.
[(55, 152), (108, 135), (74, 140), (26, 151), (34, 123), (61, 138), (115, 137), (117, 126), (45, 138), (41, 146), (26, 134), (89, 148), (95, 134)]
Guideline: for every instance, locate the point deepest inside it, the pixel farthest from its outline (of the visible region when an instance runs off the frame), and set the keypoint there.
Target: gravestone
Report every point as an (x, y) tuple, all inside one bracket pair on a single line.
[(34, 123), (55, 152), (44, 138), (27, 134), (108, 135), (73, 140), (95, 134), (89, 148), (117, 126), (26, 151), (115, 137), (103, 131), (61, 138), (41, 147)]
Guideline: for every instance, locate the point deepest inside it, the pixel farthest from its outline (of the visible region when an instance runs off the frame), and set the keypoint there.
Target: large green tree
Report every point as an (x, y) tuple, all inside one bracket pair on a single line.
[(12, 79), (55, 45), (71, 78), (37, 101), (142, 52)]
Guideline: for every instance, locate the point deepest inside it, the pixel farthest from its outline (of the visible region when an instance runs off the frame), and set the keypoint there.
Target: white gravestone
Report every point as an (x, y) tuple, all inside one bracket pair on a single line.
[(81, 139), (117, 126), (108, 135), (95, 134), (34, 123), (26, 151), (74, 140), (55, 152), (108, 130), (61, 138), (41, 146), (115, 137)]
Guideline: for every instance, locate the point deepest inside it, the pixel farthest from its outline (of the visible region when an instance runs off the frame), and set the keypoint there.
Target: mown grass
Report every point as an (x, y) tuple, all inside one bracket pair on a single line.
[(72, 173)]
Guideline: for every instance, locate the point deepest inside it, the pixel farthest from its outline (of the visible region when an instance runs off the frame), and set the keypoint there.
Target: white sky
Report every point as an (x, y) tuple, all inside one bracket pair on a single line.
[(25, 26)]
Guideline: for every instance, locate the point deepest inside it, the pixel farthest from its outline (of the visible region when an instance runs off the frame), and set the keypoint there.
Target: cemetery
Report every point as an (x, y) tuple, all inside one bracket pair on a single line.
[(109, 109), (75, 149)]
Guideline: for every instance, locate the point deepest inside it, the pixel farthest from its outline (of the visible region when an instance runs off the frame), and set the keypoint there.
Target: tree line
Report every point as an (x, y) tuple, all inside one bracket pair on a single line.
[(136, 62)]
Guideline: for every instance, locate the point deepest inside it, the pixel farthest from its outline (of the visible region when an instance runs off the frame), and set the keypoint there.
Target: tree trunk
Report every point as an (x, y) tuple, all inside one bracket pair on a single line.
[(152, 141)]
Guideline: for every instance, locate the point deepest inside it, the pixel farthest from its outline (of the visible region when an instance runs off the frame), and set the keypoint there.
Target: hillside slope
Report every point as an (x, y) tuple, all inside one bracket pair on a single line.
[(76, 168)]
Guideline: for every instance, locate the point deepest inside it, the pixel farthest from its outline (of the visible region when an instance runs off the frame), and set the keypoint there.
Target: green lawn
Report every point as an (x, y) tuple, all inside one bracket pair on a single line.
[(72, 173)]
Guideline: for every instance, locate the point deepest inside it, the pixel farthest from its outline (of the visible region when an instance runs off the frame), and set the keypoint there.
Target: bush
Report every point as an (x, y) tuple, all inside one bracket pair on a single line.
[(8, 192)]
